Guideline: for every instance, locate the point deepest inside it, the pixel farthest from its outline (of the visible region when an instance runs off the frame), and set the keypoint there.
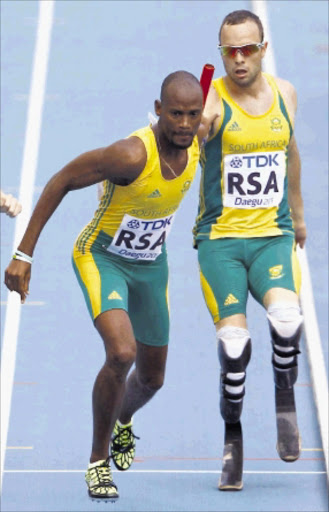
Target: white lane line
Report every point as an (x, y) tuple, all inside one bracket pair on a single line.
[(31, 303), (260, 9), (311, 327), (20, 447), (315, 354), (178, 471), (29, 165)]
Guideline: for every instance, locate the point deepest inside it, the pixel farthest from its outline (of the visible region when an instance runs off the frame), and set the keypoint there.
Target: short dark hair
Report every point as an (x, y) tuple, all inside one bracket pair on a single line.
[(237, 17), (177, 76)]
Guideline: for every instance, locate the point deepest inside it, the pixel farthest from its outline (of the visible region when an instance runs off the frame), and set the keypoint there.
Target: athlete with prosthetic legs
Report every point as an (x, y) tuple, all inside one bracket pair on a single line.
[(249, 220)]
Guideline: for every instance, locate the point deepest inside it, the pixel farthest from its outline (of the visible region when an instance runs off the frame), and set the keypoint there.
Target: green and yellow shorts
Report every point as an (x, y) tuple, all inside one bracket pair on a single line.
[(109, 281), (230, 267)]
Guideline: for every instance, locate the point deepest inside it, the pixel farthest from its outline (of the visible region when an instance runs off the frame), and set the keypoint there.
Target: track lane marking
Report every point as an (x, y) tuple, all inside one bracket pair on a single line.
[(28, 172), (182, 471)]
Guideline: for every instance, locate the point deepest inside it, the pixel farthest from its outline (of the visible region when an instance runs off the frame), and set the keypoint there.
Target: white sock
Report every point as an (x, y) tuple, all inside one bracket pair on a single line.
[(97, 463), (126, 424)]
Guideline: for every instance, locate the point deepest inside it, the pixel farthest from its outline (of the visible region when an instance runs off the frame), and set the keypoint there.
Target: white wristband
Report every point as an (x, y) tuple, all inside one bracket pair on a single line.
[(19, 255)]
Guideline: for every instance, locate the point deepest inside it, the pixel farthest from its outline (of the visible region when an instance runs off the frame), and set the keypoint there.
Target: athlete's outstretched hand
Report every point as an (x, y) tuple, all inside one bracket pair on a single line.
[(300, 233), (17, 278), (9, 204)]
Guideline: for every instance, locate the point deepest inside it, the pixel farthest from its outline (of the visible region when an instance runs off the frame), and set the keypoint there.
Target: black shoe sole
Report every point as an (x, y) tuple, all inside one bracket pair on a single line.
[(104, 500)]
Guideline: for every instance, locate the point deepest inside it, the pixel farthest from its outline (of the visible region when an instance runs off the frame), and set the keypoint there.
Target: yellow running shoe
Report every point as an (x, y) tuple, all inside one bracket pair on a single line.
[(123, 446), (100, 483)]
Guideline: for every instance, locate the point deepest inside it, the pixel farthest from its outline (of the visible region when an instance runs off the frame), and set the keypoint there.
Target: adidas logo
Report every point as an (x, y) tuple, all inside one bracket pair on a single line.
[(114, 295), (230, 299), (155, 193), (234, 127)]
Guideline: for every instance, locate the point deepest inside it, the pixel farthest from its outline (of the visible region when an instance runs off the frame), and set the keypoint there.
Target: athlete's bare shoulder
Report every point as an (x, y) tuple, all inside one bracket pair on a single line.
[(286, 87), (289, 94), (125, 158)]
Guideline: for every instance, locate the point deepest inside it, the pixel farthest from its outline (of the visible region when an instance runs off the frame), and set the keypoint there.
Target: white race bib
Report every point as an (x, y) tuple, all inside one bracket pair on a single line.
[(141, 239), (254, 180)]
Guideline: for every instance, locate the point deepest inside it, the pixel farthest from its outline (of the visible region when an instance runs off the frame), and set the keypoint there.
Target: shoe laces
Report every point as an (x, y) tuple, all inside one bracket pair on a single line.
[(103, 473), (123, 441)]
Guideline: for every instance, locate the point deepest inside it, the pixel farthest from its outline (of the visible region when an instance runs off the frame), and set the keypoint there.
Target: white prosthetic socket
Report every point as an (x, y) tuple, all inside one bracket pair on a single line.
[(234, 351), (285, 321)]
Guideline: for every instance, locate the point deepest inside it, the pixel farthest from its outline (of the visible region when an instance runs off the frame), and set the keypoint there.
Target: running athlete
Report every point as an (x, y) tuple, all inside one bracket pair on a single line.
[(120, 262), (249, 220)]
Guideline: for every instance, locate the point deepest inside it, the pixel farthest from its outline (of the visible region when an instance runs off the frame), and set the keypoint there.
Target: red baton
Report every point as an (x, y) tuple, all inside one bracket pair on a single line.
[(205, 80)]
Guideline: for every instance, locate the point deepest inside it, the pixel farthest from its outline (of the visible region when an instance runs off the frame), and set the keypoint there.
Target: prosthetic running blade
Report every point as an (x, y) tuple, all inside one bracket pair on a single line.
[(289, 442), (231, 477)]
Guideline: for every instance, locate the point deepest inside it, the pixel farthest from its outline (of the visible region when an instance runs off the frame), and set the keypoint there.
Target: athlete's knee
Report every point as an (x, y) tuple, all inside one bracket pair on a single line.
[(120, 359), (234, 352), (285, 321), (151, 382)]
